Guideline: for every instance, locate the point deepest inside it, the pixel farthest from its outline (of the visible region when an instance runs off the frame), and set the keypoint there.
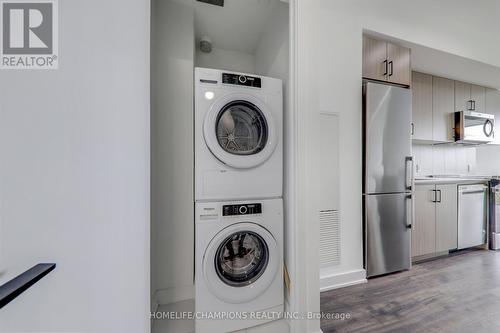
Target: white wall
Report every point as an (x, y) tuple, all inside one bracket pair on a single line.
[(329, 75), (272, 53), (272, 59), (226, 59), (330, 86), (172, 197), (74, 175)]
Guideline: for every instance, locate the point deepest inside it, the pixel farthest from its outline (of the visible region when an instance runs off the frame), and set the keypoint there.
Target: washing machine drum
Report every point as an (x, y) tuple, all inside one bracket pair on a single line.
[(239, 130), (241, 262)]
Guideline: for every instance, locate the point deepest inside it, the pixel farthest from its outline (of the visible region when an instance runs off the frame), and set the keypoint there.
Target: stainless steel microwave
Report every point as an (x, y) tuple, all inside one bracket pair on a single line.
[(474, 127)]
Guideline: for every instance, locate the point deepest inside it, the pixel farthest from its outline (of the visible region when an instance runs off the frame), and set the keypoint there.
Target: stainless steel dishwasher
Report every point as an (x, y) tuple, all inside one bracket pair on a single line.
[(472, 215)]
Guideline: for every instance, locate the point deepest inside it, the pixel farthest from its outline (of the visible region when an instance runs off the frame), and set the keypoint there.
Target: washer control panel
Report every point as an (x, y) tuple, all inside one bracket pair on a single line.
[(246, 209), (242, 80)]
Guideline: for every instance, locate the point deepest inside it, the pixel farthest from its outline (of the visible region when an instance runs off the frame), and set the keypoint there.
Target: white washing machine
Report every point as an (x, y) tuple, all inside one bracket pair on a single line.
[(238, 136), (239, 264)]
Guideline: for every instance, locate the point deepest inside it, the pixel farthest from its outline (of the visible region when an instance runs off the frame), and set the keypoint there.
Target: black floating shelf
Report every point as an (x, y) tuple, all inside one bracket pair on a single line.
[(19, 284)]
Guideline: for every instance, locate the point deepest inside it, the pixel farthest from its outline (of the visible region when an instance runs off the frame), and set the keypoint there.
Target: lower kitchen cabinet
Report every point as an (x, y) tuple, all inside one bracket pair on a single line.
[(423, 234), (446, 217), (435, 225)]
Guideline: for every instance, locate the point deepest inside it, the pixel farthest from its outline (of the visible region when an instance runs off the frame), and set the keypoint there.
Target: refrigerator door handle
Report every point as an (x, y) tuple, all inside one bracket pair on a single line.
[(409, 175), (409, 211)]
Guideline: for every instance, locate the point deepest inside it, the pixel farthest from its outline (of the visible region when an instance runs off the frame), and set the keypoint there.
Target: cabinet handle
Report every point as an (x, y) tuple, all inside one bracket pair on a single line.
[(385, 66), (412, 128), (470, 105), (391, 68), (439, 200), (434, 195), (473, 105)]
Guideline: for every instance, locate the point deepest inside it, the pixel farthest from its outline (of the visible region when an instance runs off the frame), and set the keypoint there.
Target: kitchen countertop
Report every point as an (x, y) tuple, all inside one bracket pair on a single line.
[(422, 180)]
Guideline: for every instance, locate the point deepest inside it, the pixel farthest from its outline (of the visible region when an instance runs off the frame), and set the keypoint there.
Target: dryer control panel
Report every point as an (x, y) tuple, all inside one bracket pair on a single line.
[(242, 80), (246, 209)]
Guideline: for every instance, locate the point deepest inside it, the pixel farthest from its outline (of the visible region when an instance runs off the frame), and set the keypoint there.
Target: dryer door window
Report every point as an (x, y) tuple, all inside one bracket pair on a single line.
[(241, 128), (241, 258)]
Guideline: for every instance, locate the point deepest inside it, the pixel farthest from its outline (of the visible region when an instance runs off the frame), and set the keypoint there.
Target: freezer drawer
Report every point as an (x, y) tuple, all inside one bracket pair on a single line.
[(472, 214), (388, 219), (387, 143)]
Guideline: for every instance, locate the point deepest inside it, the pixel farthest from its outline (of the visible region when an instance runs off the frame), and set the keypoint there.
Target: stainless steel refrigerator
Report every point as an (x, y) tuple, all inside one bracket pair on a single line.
[(388, 178)]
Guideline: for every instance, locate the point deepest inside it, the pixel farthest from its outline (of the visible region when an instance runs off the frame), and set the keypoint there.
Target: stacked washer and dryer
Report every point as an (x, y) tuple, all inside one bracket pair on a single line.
[(238, 194)]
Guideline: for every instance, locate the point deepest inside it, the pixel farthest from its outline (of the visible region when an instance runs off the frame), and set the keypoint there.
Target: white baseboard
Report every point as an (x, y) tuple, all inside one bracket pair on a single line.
[(334, 281), (174, 295)]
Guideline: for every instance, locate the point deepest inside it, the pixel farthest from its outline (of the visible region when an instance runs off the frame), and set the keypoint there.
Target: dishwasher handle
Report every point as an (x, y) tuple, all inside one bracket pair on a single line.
[(472, 189), (472, 192)]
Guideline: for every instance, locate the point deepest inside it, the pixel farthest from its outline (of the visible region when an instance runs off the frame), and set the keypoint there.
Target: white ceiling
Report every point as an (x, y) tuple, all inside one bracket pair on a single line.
[(237, 26)]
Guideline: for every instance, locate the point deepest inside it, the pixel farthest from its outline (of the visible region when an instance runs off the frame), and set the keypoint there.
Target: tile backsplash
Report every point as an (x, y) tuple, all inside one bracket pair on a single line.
[(444, 160)]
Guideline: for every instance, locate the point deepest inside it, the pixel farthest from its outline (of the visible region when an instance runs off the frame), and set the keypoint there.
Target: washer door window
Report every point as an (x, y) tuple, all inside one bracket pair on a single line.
[(241, 262), (239, 130), (241, 258)]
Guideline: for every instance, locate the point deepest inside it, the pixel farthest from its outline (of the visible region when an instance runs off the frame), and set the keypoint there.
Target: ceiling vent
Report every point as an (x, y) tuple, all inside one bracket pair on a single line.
[(213, 2)]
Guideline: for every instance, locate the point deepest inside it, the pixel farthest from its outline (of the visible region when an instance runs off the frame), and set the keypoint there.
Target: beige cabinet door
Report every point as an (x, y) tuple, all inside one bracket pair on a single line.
[(399, 70), (493, 107), (446, 217), (443, 106), (423, 239), (421, 87), (462, 96), (478, 97), (374, 59)]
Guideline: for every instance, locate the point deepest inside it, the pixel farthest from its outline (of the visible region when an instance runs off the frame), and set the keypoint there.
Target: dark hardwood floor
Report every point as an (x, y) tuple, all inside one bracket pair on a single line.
[(459, 293)]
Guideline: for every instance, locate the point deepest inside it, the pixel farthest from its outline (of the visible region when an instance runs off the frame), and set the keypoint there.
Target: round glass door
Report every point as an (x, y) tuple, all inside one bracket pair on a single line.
[(241, 258), (241, 262), (241, 128), (240, 131)]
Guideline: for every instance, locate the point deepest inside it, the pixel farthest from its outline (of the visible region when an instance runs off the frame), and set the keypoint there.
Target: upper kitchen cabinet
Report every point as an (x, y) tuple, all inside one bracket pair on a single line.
[(399, 70), (443, 106), (422, 106), (374, 59), (478, 98), (433, 107), (469, 97), (435, 100), (493, 107), (384, 61), (462, 96)]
